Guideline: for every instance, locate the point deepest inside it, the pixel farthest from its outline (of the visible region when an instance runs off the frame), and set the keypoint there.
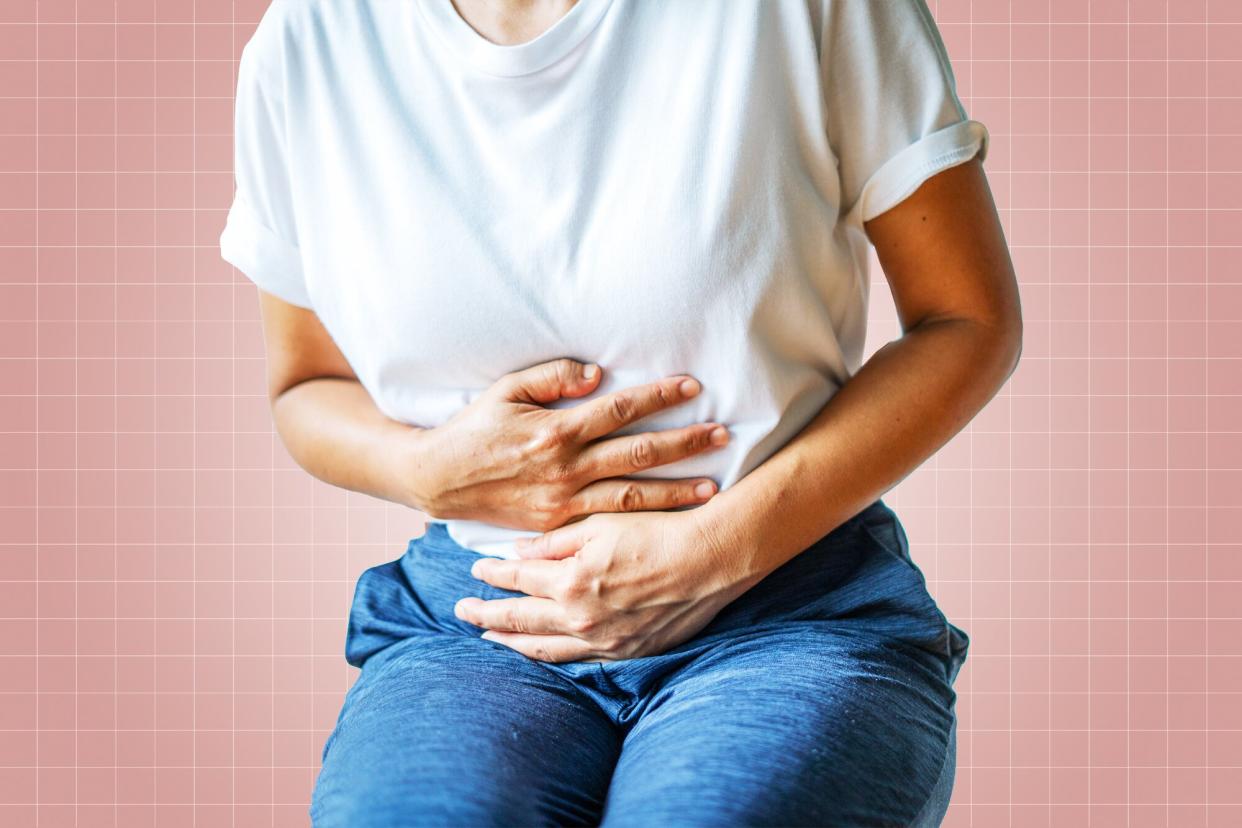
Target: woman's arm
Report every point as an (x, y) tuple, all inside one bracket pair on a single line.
[(944, 254), (503, 458), (634, 585), (327, 420)]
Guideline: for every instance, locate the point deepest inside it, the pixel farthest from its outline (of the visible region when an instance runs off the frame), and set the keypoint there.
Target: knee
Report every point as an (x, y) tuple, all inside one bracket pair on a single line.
[(378, 799), (390, 778), (937, 804), (348, 793)]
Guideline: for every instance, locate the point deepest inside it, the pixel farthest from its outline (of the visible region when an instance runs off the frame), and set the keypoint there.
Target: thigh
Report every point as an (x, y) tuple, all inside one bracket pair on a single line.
[(796, 724), (455, 730)]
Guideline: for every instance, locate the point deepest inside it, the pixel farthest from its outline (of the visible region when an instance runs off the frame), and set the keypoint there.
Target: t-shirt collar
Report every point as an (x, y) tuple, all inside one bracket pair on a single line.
[(512, 60)]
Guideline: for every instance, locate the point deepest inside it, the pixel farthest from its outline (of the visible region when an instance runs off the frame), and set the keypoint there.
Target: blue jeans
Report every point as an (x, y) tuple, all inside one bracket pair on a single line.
[(821, 696)]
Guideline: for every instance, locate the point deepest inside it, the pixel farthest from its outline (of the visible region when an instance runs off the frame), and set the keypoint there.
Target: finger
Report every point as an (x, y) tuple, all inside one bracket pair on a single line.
[(604, 415), (627, 495), (533, 615), (624, 455), (555, 648), (557, 544), (548, 381), (537, 577)]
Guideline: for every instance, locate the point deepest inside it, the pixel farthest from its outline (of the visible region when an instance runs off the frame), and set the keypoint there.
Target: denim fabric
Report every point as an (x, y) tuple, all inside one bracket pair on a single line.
[(822, 696)]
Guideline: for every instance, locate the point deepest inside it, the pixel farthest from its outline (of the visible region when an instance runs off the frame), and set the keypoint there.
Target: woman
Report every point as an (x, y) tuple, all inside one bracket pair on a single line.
[(542, 269)]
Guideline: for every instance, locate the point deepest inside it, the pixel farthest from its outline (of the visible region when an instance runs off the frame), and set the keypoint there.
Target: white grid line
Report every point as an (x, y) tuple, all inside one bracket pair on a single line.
[(336, 579)]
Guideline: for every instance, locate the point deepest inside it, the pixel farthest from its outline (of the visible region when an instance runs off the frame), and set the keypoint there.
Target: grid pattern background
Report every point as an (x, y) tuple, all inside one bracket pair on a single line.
[(173, 588)]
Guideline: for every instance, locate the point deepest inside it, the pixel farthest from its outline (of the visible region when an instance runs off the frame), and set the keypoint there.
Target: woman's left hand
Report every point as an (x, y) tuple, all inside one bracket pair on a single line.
[(613, 585)]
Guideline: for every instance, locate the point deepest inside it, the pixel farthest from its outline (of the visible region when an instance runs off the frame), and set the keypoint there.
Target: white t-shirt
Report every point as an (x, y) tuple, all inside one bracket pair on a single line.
[(659, 187)]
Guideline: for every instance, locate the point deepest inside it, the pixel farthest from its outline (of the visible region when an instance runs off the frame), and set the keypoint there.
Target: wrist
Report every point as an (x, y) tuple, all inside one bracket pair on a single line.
[(412, 470), (721, 547)]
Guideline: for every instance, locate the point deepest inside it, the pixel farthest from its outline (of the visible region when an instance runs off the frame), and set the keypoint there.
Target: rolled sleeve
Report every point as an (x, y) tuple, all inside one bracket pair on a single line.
[(269, 261), (902, 174), (894, 118), (260, 235)]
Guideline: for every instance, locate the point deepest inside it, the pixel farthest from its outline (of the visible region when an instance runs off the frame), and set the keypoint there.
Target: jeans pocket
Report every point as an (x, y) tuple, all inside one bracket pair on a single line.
[(884, 529)]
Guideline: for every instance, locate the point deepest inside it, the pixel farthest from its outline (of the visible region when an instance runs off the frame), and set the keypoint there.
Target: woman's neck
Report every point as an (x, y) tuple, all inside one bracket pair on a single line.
[(511, 22)]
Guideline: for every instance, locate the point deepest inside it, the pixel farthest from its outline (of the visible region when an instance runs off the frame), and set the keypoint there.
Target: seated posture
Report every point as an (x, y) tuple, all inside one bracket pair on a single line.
[(586, 283)]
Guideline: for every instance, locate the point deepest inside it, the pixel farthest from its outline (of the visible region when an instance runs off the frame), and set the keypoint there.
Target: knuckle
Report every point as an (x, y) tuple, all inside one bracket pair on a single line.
[(699, 439), (568, 591), (561, 472), (615, 642), (504, 385), (546, 521), (629, 497), (642, 453), (511, 621), (550, 435), (545, 501), (622, 407), (582, 623), (575, 503)]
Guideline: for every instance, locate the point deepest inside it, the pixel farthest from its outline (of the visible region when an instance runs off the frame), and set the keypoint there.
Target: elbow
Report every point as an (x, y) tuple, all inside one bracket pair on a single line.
[(278, 385), (1006, 338), (1012, 343), (996, 347)]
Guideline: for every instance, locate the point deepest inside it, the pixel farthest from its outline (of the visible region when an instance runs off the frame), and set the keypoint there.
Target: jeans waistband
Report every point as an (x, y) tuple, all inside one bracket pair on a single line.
[(440, 568), (856, 577)]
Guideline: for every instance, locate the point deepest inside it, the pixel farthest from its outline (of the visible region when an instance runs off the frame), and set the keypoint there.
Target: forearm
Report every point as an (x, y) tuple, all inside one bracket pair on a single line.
[(906, 402), (332, 428)]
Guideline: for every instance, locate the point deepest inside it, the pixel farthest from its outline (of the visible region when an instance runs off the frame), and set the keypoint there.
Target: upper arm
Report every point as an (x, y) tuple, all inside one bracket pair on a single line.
[(299, 348), (260, 235), (893, 115), (910, 163), (944, 254)]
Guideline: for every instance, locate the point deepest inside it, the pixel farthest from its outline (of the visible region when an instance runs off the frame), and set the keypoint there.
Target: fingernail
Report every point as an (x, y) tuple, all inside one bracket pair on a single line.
[(689, 387), (704, 489), (720, 435), (476, 569), (588, 372)]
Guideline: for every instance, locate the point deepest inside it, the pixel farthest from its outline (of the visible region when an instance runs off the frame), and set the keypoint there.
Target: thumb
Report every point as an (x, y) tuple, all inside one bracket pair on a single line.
[(549, 381), (555, 544)]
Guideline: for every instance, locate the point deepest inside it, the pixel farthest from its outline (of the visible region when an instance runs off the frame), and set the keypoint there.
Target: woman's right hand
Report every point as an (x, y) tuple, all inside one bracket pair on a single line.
[(505, 459)]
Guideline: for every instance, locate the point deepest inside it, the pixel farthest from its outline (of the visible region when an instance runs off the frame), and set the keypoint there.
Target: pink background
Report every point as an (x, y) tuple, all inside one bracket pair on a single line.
[(173, 589)]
